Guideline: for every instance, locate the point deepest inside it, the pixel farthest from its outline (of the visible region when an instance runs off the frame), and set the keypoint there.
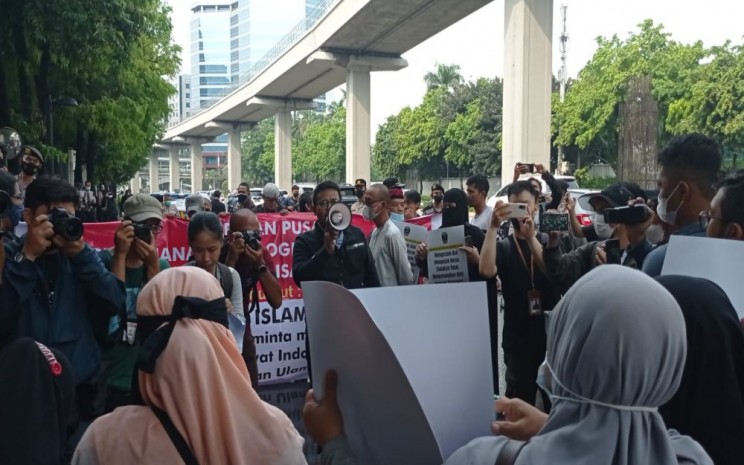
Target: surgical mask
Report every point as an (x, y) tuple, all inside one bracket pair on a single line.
[(437, 198), (603, 230), (359, 193), (29, 169), (396, 216), (546, 376), (655, 233), (242, 198), (661, 210), (369, 213)]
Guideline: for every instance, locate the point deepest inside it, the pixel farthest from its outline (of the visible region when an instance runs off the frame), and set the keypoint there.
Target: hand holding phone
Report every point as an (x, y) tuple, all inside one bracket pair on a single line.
[(518, 210)]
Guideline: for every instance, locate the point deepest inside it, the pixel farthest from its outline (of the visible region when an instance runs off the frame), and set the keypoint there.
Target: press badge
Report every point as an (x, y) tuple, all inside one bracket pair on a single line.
[(534, 303), (131, 330)]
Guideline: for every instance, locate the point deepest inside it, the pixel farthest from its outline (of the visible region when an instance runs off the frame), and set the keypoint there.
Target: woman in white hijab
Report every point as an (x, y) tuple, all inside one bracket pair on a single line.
[(616, 351)]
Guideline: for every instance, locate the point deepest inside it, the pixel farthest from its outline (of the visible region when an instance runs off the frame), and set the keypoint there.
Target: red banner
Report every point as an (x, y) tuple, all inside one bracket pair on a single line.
[(278, 234)]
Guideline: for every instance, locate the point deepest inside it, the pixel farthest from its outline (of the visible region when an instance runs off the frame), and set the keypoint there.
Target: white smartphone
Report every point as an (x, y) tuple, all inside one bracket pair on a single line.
[(518, 210)]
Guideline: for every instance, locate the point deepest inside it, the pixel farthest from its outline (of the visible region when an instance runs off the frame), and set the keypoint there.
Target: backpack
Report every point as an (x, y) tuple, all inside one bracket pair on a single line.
[(224, 276)]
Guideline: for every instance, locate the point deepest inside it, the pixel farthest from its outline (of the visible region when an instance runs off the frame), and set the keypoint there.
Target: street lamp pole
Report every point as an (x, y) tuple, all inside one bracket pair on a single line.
[(51, 102)]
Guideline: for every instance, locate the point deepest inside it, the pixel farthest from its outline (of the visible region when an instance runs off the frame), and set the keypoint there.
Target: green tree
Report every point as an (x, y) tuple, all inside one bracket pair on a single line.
[(257, 153), (446, 76), (589, 113), (320, 153)]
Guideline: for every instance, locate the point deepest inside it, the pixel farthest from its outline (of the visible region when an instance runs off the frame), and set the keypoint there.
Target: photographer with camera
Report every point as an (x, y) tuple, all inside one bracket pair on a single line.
[(621, 220), (57, 291), (244, 253), (134, 259)]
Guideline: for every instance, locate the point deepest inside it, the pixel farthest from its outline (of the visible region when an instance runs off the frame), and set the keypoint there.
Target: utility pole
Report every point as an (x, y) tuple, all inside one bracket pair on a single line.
[(562, 78)]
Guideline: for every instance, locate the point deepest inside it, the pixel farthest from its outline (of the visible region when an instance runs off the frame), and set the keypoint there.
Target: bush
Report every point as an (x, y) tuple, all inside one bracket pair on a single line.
[(587, 181)]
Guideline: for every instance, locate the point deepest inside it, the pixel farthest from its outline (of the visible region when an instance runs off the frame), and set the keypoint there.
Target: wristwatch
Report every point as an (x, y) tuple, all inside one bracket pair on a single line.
[(262, 269)]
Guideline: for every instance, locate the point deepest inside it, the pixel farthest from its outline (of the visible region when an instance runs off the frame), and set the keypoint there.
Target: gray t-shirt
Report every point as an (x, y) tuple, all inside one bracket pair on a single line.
[(391, 258)]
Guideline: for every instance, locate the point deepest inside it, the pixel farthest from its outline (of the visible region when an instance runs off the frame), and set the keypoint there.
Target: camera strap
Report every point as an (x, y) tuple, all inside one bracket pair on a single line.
[(531, 268)]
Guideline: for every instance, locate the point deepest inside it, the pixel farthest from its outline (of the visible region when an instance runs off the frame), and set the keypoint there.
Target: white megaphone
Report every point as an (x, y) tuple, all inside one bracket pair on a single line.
[(339, 217)]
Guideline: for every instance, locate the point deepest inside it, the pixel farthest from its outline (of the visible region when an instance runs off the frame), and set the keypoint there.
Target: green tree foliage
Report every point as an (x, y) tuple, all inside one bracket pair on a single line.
[(320, 153), (257, 153), (456, 127), (589, 113), (714, 104), (112, 56)]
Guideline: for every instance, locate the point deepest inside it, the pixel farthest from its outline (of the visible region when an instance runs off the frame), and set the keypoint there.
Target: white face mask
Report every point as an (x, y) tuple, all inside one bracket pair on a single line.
[(655, 233), (603, 230), (395, 216), (369, 213), (661, 210)]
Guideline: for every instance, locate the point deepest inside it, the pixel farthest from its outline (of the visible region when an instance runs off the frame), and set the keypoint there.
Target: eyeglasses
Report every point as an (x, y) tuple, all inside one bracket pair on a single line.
[(705, 219), (328, 203), (154, 228)]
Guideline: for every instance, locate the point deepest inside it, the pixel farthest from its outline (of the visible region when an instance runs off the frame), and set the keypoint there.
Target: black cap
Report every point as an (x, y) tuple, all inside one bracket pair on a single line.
[(390, 182), (617, 195)]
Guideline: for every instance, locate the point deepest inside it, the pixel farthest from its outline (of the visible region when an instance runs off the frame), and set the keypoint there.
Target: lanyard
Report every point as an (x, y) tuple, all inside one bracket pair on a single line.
[(531, 268)]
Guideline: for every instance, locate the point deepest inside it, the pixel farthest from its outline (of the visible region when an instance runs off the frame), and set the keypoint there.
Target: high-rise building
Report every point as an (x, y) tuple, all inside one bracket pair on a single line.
[(240, 39), (210, 51)]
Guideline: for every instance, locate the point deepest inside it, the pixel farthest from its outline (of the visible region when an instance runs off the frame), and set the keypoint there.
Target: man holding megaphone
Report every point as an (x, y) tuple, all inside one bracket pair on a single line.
[(333, 250)]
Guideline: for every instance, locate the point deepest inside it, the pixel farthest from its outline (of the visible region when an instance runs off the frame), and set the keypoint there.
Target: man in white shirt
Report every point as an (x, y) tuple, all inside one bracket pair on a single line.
[(477, 188), (386, 241)]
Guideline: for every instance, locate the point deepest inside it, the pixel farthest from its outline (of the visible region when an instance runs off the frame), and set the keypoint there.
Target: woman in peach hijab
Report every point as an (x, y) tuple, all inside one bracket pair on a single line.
[(199, 404)]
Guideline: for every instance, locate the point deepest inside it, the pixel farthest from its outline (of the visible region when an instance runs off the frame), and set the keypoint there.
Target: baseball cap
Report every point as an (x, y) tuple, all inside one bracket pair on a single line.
[(617, 195), (270, 191), (194, 203), (142, 207)]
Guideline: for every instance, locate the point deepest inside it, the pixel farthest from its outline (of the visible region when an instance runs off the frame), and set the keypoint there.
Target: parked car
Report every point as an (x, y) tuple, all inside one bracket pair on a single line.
[(305, 187), (586, 218), (348, 197)]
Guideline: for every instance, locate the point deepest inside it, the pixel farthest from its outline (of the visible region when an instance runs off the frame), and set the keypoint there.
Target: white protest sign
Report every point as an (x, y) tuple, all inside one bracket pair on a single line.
[(407, 396), (447, 263), (718, 260), (413, 235)]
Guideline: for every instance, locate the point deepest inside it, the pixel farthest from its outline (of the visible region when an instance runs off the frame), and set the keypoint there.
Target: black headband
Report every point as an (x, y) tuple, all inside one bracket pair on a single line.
[(155, 338)]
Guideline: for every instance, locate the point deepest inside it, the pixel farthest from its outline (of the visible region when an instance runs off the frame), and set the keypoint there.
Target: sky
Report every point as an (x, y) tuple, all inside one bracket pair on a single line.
[(476, 42)]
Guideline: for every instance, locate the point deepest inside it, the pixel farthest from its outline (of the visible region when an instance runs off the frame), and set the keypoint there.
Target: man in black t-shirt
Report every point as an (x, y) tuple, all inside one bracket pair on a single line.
[(527, 291)]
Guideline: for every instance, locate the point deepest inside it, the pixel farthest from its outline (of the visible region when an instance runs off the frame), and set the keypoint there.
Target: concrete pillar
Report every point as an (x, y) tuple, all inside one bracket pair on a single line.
[(528, 34), (283, 149), (234, 174), (134, 184), (173, 174), (154, 174), (197, 173), (357, 123)]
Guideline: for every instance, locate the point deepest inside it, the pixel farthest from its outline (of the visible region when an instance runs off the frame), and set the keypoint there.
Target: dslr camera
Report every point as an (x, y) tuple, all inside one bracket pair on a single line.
[(634, 214), (142, 232), (66, 225), (252, 239)]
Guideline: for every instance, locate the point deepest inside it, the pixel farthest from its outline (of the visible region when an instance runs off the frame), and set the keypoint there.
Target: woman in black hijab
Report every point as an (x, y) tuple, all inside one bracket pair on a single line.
[(37, 401), (709, 405)]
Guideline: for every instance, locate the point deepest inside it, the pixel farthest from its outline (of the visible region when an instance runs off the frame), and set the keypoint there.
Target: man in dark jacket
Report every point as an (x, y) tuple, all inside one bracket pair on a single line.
[(567, 268), (324, 254), (56, 290)]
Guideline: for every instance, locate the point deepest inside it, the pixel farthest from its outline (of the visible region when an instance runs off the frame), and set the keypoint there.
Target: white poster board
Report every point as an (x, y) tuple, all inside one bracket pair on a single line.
[(718, 260), (446, 262), (413, 235), (413, 364)]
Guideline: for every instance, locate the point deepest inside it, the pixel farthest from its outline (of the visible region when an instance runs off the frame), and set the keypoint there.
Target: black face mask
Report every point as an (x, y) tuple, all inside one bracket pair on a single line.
[(437, 198), (242, 198), (29, 169), (359, 193)]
